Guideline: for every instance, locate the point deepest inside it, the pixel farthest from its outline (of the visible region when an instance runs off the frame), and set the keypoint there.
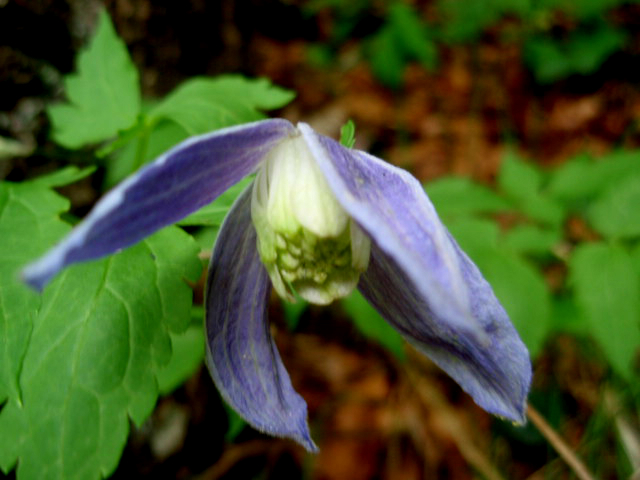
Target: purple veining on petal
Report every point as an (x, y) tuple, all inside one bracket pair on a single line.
[(496, 374), (241, 355), (391, 206), (182, 180), (422, 283)]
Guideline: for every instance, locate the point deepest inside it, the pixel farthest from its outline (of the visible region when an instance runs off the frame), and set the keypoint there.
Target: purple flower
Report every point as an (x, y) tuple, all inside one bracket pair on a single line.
[(318, 220)]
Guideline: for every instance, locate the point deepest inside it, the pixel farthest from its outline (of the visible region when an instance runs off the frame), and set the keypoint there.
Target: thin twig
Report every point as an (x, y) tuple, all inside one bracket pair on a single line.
[(560, 446)]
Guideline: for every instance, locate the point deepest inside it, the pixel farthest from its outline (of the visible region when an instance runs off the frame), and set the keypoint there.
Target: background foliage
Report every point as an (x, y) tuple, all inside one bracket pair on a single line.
[(559, 243)]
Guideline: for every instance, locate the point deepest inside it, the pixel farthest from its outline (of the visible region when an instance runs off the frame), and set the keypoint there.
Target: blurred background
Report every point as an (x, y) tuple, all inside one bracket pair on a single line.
[(521, 117)]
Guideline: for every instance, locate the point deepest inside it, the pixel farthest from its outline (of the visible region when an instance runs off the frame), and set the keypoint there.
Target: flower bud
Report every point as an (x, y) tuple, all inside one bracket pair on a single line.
[(306, 240)]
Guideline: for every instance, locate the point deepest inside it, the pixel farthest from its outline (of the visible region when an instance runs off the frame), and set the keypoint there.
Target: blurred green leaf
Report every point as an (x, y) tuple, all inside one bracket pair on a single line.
[(544, 209), (64, 176), (607, 290), (201, 104), (522, 181), (567, 316), (582, 52), (531, 239), (581, 9), (387, 62), (635, 258), (293, 311), (475, 233), (371, 324), (517, 178), (615, 213), (403, 38), (581, 177), (214, 213), (465, 21), (458, 196), (348, 134), (411, 36), (517, 284), (104, 96), (235, 423), (155, 142), (87, 350)]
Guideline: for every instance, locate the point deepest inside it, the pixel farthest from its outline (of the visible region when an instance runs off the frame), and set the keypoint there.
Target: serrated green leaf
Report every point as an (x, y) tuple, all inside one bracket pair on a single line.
[(28, 225), (459, 196), (126, 161), (98, 338), (187, 356), (371, 324), (606, 287), (104, 96), (202, 104), (615, 212), (213, 214)]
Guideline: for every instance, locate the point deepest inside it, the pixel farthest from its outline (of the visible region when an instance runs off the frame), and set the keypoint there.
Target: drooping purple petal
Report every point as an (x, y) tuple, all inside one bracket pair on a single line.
[(421, 281), (496, 373), (182, 180), (241, 355), (391, 206)]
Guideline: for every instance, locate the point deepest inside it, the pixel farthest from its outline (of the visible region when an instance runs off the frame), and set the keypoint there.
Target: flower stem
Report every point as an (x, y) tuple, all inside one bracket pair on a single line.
[(560, 446)]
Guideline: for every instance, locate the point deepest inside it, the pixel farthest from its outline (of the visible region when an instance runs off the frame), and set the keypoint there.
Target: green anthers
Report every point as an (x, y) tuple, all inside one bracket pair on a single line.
[(306, 240)]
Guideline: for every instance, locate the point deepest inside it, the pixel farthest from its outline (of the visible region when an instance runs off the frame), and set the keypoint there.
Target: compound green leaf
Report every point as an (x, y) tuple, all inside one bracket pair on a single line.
[(99, 334), (127, 160), (104, 96), (607, 289), (29, 224), (202, 104)]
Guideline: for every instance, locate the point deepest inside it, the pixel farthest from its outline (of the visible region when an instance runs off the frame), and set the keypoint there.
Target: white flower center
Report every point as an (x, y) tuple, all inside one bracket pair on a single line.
[(306, 240)]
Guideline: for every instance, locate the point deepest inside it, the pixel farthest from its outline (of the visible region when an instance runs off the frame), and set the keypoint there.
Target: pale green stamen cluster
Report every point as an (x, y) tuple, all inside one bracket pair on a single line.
[(303, 256), (306, 240)]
